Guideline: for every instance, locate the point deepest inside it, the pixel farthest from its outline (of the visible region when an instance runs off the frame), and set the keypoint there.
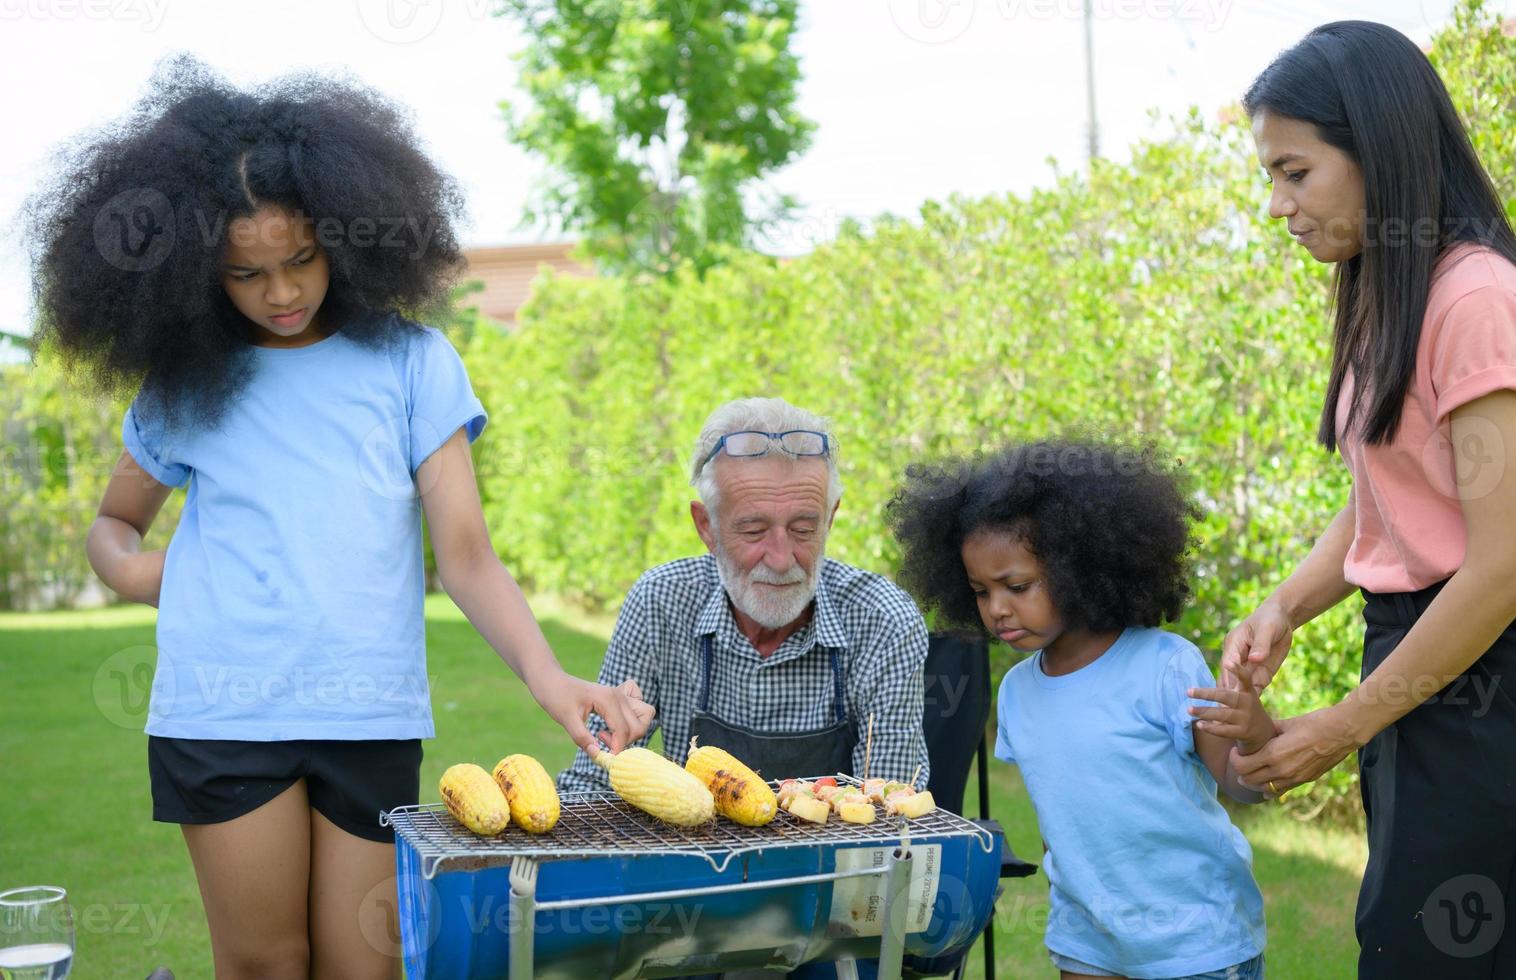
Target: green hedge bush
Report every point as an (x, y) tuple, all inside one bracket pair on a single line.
[(1153, 298)]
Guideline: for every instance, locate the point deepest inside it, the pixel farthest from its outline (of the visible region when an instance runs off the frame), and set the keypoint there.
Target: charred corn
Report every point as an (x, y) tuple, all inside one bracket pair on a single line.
[(530, 792), (474, 800), (658, 787), (741, 794)]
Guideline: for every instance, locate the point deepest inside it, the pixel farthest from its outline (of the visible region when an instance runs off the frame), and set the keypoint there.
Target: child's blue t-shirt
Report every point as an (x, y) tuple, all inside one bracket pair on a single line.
[(1148, 877), (291, 605)]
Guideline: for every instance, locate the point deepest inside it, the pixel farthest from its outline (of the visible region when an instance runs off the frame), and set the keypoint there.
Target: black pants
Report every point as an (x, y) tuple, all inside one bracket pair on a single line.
[(1439, 790)]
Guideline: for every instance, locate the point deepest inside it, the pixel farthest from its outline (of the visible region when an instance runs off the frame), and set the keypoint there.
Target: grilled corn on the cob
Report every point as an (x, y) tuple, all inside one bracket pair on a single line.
[(741, 794), (530, 792), (658, 787), (474, 800)]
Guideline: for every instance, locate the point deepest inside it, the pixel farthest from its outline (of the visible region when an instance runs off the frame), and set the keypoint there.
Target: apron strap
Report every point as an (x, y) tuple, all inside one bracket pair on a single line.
[(839, 697), (708, 657)]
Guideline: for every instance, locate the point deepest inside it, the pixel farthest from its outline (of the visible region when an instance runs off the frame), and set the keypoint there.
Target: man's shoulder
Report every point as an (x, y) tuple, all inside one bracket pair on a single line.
[(681, 584), (852, 590), (694, 570)]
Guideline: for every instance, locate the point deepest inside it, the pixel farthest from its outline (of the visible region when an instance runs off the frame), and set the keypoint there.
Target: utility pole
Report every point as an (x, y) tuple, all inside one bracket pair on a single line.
[(1089, 78)]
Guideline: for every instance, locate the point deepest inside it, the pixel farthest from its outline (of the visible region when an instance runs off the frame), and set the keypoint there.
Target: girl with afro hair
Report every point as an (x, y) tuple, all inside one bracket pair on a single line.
[(1075, 552), (250, 261)]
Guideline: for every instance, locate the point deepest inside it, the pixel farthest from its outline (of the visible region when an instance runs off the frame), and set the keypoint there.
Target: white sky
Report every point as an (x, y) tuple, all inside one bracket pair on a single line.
[(914, 99)]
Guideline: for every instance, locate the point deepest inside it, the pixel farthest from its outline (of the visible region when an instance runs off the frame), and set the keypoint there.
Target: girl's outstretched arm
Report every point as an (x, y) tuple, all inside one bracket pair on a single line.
[(114, 544), (489, 596)]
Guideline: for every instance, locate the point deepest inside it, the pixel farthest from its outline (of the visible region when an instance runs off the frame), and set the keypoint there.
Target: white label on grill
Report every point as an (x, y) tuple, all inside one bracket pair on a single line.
[(858, 903)]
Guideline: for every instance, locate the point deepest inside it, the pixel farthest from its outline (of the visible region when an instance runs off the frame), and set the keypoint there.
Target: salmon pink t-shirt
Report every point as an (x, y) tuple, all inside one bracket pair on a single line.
[(1409, 530)]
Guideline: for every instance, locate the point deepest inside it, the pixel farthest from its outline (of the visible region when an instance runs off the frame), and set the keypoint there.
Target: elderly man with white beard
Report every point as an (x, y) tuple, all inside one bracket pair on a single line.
[(764, 646)]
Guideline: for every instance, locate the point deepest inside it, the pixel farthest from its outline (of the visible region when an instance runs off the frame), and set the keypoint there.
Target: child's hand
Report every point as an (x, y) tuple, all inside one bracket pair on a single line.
[(569, 700), (1239, 715)]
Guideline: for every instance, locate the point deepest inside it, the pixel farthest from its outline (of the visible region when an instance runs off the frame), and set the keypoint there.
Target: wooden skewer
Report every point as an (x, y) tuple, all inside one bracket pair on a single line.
[(868, 747), (915, 776)]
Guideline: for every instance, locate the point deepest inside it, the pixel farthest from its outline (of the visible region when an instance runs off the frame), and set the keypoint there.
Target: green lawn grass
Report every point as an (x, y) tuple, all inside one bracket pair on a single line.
[(76, 811)]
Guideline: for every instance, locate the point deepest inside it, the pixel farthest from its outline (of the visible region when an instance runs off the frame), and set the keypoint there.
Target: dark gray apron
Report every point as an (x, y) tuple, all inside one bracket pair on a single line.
[(776, 755)]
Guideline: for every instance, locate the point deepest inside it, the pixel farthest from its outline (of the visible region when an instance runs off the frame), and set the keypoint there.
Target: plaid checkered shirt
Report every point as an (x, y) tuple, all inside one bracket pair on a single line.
[(877, 628)]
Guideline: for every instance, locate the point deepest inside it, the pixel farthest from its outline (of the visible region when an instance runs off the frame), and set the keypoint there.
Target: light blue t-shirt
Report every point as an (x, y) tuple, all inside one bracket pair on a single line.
[(291, 605), (1148, 877)]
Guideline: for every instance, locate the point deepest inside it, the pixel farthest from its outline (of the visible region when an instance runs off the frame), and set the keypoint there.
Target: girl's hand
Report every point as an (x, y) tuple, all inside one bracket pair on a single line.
[(569, 700), (1257, 645), (1239, 717), (1305, 748)]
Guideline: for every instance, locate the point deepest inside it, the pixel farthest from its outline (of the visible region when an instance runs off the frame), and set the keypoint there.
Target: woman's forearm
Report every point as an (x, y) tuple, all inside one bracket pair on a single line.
[(1318, 584), (1465, 619)]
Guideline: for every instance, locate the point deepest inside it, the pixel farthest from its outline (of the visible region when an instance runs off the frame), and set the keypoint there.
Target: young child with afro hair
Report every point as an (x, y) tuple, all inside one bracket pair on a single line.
[(1075, 552), (250, 263)]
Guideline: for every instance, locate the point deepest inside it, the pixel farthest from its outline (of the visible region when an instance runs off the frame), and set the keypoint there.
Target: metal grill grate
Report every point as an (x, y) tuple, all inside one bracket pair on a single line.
[(602, 824)]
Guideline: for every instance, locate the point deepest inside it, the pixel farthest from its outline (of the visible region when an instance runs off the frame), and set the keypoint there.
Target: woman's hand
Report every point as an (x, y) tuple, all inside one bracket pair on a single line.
[(1305, 747), (1257, 645), (569, 701)]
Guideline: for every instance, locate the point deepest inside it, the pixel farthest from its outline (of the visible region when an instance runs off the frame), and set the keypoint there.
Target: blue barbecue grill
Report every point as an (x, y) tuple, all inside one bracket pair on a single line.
[(612, 892)]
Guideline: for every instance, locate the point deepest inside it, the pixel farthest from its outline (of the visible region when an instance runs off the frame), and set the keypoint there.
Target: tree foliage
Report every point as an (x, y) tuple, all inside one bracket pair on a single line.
[(657, 120)]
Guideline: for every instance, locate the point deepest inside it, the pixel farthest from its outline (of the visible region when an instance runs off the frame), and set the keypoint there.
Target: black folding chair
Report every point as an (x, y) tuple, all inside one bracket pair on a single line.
[(958, 694)]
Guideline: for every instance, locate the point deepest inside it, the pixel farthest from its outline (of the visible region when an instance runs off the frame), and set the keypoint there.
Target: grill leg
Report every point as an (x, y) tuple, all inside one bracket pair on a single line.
[(897, 882), (523, 916)]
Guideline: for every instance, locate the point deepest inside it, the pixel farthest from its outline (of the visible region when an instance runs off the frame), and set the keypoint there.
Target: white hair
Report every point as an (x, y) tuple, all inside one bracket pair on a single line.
[(761, 415)]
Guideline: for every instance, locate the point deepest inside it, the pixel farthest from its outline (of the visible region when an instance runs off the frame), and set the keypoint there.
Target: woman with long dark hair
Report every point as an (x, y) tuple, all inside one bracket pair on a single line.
[(1372, 171)]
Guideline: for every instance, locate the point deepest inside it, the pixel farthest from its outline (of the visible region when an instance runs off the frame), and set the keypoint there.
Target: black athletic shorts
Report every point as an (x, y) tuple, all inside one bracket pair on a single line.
[(348, 782)]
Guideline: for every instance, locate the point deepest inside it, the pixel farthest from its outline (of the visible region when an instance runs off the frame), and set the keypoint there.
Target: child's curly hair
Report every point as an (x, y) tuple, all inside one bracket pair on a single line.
[(1109, 523), (128, 236)]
